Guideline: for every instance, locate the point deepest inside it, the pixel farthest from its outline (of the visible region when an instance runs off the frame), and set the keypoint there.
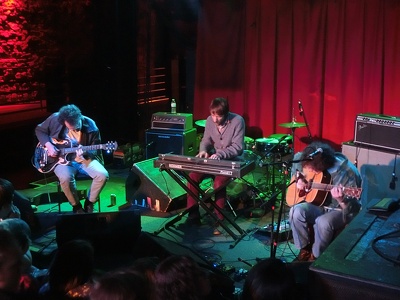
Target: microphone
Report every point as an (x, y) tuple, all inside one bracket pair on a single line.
[(319, 150), (300, 108), (392, 184)]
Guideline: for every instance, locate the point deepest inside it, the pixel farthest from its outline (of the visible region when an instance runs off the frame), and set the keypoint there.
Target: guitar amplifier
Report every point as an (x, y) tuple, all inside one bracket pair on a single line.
[(378, 131), (177, 122)]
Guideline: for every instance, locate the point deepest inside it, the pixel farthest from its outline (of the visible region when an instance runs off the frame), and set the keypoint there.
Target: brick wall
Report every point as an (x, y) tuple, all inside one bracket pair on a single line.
[(37, 37)]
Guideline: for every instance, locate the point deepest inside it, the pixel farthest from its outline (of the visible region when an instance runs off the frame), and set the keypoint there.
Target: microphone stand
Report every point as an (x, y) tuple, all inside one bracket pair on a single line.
[(272, 199), (303, 114)]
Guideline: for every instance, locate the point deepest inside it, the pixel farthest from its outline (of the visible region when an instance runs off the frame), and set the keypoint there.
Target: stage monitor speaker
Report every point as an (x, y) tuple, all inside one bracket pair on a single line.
[(149, 245), (172, 142), (109, 233), (149, 186)]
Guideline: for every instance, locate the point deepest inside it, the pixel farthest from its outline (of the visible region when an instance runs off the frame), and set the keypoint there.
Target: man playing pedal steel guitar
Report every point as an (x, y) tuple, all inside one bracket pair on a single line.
[(315, 219), (69, 128), (223, 139)]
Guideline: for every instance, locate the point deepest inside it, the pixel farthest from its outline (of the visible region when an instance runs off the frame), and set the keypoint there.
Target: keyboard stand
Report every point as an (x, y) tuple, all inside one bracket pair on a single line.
[(201, 199)]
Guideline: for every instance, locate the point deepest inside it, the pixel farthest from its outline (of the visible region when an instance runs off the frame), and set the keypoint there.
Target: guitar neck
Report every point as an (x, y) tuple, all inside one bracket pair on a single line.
[(84, 148), (348, 191), (322, 186)]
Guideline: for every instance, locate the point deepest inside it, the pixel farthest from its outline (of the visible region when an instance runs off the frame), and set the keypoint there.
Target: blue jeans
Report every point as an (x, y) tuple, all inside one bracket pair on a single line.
[(304, 215), (66, 176)]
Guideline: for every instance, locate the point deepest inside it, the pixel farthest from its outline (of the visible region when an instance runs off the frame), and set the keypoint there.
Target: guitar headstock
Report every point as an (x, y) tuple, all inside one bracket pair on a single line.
[(352, 192), (110, 146)]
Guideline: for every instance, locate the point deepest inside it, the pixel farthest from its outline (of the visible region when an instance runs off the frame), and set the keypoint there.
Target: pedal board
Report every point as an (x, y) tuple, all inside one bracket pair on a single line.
[(284, 227)]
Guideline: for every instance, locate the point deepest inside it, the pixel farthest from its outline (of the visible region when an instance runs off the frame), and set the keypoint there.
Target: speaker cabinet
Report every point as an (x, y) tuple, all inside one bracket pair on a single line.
[(376, 167), (109, 233), (146, 184), (172, 142)]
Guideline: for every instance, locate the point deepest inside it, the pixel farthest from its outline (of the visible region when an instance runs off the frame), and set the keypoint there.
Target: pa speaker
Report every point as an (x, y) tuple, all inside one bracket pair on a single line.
[(157, 189), (172, 142), (112, 232)]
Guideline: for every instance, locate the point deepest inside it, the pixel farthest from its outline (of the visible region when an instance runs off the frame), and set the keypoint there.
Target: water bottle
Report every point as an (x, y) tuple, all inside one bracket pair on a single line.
[(173, 106)]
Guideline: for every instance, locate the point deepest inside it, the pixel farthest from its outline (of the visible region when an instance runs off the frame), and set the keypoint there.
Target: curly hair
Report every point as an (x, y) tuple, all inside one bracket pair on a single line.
[(320, 161), (70, 113)]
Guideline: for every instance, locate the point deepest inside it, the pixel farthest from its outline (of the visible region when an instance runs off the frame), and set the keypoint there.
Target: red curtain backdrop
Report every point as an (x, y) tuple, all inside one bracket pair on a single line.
[(339, 58)]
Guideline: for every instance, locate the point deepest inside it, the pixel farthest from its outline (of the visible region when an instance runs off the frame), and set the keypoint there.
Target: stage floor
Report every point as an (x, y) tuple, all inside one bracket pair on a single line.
[(229, 253)]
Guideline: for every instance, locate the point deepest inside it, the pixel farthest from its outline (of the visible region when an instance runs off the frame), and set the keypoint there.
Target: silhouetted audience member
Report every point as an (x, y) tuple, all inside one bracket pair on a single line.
[(31, 276), (27, 212), (123, 284), (10, 265), (7, 207), (269, 279), (70, 272), (181, 278)]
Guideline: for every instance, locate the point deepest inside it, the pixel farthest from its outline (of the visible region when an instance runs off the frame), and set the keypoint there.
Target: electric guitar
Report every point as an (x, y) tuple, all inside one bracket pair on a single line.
[(317, 189), (45, 163)]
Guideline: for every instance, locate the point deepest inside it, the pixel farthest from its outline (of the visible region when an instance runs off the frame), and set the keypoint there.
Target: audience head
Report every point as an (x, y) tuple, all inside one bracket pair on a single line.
[(10, 262), (72, 266), (6, 192), (269, 279), (180, 277), (121, 285), (22, 233)]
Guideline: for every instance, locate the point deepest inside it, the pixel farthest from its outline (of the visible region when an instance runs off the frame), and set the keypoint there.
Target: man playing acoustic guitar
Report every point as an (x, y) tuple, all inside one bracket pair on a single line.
[(69, 128), (323, 198)]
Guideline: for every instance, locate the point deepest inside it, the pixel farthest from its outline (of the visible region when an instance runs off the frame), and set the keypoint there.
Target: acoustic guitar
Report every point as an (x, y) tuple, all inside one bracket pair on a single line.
[(318, 186)]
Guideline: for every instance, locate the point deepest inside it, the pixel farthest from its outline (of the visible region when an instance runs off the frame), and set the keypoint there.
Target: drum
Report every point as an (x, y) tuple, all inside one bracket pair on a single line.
[(288, 139), (269, 145), (248, 143)]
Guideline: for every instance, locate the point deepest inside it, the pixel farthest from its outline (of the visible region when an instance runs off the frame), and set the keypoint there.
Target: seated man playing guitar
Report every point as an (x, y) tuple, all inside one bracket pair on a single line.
[(65, 129), (324, 198)]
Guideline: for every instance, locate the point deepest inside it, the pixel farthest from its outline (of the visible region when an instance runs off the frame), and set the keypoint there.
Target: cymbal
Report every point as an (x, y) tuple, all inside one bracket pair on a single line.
[(293, 125), (201, 123)]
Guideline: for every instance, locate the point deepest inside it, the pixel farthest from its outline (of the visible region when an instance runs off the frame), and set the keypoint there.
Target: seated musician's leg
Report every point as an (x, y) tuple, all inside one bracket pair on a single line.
[(66, 176), (221, 195), (194, 214)]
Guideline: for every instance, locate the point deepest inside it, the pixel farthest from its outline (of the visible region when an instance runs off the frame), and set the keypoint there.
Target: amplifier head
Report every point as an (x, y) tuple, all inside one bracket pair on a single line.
[(178, 121), (378, 131)]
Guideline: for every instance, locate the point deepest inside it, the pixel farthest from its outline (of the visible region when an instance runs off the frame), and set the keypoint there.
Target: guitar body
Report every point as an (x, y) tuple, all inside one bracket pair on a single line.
[(46, 164), (310, 195)]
